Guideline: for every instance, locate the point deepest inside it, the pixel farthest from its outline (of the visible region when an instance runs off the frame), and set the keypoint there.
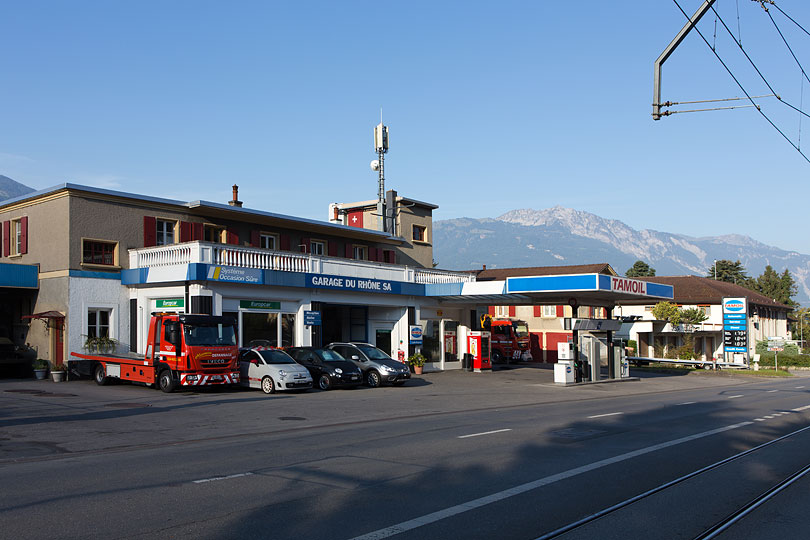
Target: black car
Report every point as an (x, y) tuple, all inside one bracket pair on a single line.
[(328, 368), (377, 366)]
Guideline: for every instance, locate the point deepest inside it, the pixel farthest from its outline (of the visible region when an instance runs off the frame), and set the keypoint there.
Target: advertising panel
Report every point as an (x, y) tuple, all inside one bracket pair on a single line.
[(735, 325)]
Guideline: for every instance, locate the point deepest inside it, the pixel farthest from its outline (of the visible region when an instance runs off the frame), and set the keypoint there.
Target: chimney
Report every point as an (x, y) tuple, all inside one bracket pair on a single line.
[(485, 267), (235, 201)]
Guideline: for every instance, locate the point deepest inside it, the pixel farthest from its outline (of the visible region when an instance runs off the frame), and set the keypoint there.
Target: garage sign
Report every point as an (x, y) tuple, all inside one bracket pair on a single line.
[(415, 335)]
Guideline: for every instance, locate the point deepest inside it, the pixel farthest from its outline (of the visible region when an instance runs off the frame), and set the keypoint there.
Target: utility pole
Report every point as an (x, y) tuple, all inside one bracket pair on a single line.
[(657, 114)]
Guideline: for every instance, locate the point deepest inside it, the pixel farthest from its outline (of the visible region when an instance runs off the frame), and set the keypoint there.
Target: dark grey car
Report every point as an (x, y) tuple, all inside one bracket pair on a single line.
[(377, 367)]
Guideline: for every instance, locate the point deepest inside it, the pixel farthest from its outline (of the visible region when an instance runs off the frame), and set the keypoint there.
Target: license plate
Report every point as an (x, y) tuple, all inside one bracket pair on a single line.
[(216, 377)]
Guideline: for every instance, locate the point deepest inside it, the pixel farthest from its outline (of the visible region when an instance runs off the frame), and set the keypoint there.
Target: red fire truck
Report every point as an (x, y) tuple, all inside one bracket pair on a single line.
[(510, 339), (182, 350)]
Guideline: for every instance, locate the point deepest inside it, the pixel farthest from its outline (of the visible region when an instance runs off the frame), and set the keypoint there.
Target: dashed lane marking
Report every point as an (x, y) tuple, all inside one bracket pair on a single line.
[(218, 478), (606, 414), (484, 433)]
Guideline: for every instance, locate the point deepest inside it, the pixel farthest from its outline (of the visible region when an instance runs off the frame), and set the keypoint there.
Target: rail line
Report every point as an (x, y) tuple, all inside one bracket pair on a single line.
[(719, 527)]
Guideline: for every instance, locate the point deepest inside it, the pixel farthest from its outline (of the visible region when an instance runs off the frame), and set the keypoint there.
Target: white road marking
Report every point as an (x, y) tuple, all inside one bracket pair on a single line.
[(769, 416), (484, 433), (607, 414), (217, 478), (771, 391), (800, 387), (797, 409), (687, 403), (759, 419), (738, 395), (540, 482)]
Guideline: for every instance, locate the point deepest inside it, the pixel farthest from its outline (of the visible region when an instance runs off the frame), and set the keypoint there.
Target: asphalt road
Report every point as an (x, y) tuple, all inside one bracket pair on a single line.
[(450, 455)]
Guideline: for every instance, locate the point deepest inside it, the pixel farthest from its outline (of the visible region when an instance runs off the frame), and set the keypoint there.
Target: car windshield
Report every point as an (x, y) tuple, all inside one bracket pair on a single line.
[(330, 356), (274, 356), (521, 330), (211, 335), (373, 353)]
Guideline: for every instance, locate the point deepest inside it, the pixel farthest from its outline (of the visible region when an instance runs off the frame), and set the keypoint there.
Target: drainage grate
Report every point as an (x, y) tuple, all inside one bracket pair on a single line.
[(298, 418), (56, 394), (26, 391)]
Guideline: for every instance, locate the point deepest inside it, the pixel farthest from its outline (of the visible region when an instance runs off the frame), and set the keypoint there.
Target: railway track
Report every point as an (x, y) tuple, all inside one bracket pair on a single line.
[(717, 528)]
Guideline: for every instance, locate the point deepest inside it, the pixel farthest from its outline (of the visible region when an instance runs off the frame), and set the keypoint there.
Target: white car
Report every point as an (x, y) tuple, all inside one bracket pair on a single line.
[(272, 370)]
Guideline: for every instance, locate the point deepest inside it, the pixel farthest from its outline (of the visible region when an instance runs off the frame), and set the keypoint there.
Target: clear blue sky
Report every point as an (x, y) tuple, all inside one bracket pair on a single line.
[(491, 107)]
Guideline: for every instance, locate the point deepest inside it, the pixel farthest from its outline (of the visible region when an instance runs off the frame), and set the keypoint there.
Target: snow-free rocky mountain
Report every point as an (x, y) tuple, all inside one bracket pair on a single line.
[(9, 188), (561, 236)]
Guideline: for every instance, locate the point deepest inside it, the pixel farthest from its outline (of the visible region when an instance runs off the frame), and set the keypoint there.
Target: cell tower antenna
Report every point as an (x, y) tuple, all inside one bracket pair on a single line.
[(381, 147)]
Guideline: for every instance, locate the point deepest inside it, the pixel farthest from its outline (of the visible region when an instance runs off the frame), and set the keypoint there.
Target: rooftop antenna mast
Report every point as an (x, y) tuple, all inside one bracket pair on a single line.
[(381, 147)]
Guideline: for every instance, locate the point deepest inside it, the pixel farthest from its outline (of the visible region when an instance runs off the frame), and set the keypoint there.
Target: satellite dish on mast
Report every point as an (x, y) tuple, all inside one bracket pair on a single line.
[(375, 165)]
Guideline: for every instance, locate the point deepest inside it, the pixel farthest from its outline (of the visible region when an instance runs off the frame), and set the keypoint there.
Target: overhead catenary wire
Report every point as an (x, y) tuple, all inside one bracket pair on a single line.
[(742, 88)]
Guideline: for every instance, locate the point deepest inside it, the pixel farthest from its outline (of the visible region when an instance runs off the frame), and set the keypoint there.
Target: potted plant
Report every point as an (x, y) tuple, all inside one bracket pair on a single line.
[(58, 372), (417, 361), (40, 369)]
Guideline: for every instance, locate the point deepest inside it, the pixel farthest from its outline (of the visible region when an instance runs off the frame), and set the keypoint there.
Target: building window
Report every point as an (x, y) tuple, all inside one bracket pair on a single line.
[(16, 237), (360, 253), (213, 234), (316, 247), (165, 232), (98, 252), (501, 311), (549, 311), (706, 310), (268, 241), (98, 322), (419, 233)]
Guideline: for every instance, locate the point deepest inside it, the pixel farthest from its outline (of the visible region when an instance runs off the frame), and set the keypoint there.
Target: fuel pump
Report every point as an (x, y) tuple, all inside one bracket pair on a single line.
[(478, 345)]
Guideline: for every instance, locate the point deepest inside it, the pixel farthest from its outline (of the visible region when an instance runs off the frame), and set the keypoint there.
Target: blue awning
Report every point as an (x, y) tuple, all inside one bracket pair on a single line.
[(24, 276)]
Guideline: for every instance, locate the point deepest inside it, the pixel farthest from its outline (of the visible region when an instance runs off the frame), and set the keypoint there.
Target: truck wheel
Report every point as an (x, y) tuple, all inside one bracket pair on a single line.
[(496, 356), (100, 375), (166, 381), (268, 386)]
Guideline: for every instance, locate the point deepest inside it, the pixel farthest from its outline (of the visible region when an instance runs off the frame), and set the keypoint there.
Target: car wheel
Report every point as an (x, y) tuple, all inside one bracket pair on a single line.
[(373, 379), (268, 386), (100, 375), (324, 382), (166, 381)]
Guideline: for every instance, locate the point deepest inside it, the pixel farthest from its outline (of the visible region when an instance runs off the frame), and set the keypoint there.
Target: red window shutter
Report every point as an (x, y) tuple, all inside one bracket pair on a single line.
[(511, 311), (560, 311), (305, 245), (332, 249), (197, 231), (6, 238), (389, 256), (372, 254), (255, 239), (284, 240), (185, 231), (538, 311), (232, 236), (349, 251), (149, 231), (492, 310), (24, 239)]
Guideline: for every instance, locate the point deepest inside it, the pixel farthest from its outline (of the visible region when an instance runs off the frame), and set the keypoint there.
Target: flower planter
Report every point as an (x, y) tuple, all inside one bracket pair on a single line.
[(58, 376), (40, 374), (417, 370)]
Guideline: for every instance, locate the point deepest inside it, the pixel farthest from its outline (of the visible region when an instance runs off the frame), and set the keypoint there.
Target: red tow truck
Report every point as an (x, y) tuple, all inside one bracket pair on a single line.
[(509, 339), (182, 350)]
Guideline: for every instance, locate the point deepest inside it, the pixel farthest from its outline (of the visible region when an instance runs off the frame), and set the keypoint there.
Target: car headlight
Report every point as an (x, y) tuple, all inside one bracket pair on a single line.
[(387, 369), (282, 374), (338, 370)]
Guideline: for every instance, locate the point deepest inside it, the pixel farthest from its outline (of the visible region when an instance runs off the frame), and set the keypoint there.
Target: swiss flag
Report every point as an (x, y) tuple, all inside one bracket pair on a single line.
[(355, 219)]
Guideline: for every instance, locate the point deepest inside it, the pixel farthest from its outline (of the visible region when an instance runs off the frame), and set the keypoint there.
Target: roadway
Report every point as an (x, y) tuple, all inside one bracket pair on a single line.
[(450, 455)]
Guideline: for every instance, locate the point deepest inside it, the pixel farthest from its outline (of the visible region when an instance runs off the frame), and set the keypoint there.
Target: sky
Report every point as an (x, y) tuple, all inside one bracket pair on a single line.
[(491, 107)]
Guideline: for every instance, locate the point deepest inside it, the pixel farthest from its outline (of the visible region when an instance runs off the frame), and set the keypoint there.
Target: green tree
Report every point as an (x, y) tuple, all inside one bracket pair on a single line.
[(778, 287), (731, 272), (693, 316), (667, 311), (640, 269)]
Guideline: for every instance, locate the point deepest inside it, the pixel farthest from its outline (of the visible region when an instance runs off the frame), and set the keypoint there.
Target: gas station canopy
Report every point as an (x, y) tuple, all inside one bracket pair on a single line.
[(590, 289)]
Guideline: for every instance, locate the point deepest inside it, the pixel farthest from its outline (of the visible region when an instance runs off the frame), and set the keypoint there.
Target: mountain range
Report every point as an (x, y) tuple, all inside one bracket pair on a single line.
[(9, 188), (560, 236)]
